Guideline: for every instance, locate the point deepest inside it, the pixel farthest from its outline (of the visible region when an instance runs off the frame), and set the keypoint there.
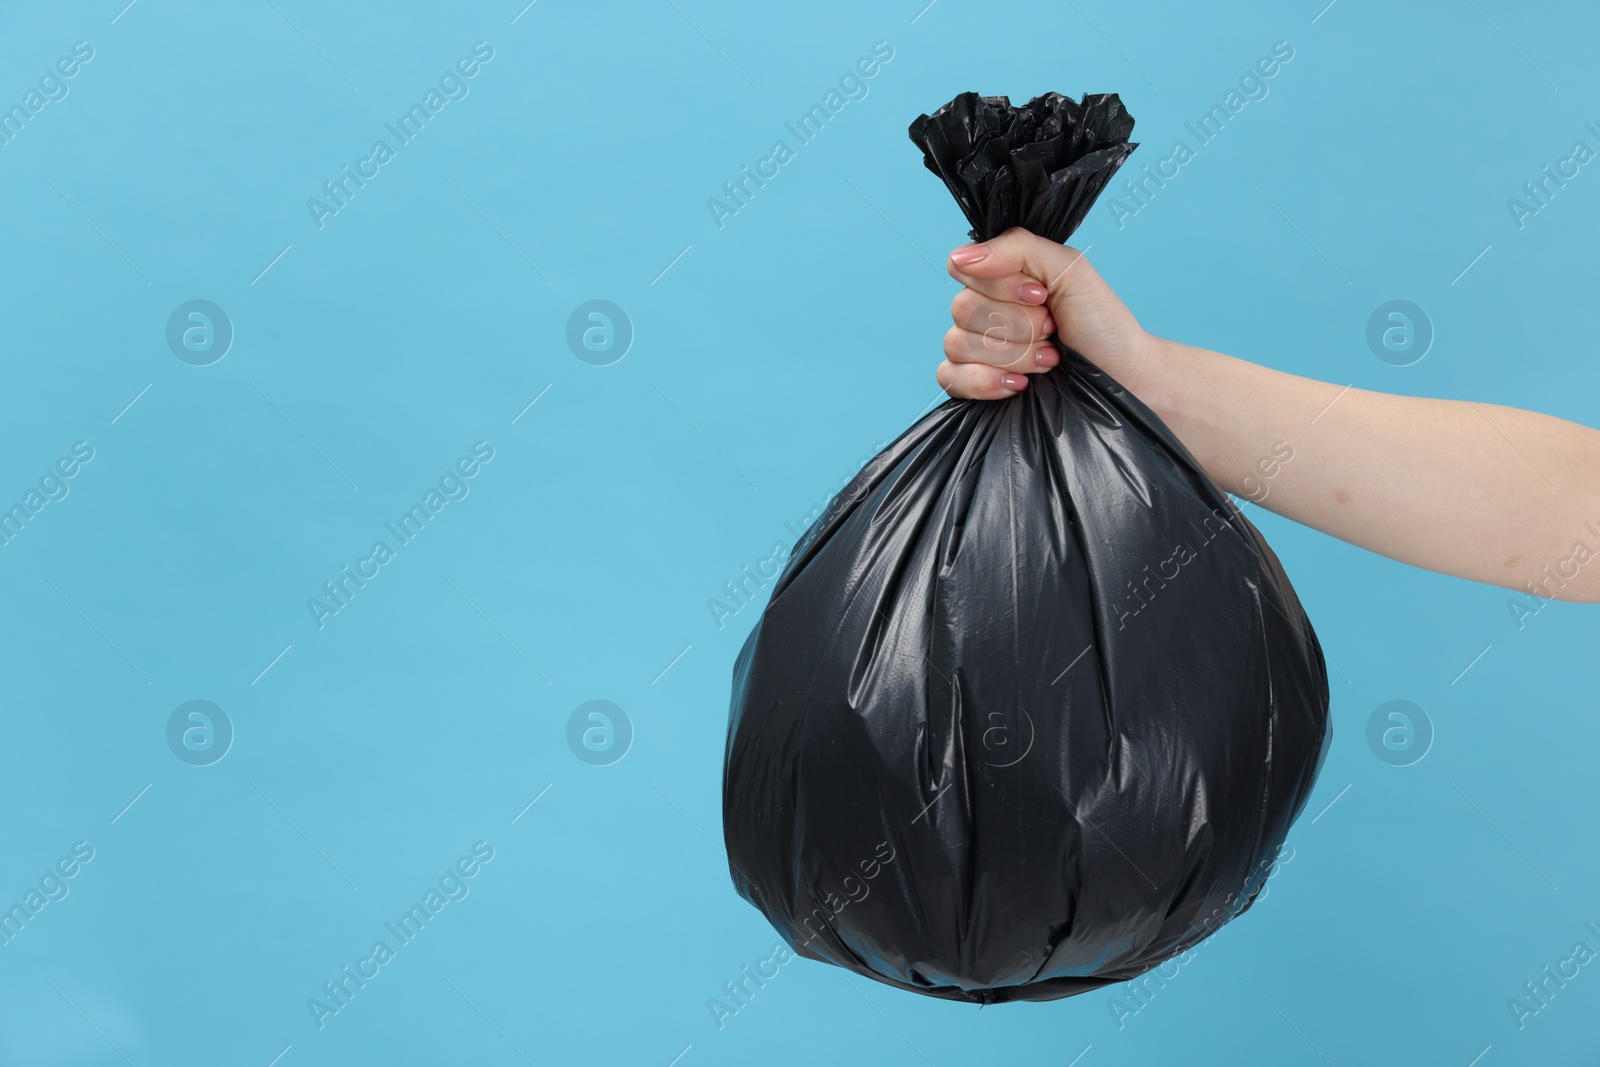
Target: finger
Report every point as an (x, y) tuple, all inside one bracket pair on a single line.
[(973, 311), (1000, 266), (1024, 357), (1013, 288), (975, 381)]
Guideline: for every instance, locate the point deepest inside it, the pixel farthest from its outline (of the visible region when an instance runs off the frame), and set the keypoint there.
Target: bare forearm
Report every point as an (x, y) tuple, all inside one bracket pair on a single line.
[(1479, 491)]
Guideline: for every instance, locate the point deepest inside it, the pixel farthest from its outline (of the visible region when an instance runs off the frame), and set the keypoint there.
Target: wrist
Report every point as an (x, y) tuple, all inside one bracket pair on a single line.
[(1183, 386), (1148, 373)]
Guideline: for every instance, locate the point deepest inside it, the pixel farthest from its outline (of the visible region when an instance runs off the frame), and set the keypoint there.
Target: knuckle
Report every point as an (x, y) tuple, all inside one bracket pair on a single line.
[(953, 343), (1004, 353), (964, 304), (1036, 319), (997, 331), (1019, 322)]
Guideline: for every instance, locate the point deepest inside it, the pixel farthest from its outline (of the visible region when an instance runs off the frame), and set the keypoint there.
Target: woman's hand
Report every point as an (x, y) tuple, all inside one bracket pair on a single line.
[(1022, 294), (1471, 489)]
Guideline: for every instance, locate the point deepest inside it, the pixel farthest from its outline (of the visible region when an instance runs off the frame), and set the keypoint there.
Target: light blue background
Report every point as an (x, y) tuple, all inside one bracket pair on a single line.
[(768, 361)]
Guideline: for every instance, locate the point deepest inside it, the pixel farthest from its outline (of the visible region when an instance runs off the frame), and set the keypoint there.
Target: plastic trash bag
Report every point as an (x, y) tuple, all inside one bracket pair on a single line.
[(1032, 706)]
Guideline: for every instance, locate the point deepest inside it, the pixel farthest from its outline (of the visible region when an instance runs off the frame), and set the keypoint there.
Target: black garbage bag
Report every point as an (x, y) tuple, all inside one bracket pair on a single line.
[(1032, 706)]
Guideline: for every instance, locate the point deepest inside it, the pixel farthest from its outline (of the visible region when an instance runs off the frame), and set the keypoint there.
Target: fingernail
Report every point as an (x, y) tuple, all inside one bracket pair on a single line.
[(1046, 357), (963, 257), (1032, 292), (1048, 327), (1014, 381)]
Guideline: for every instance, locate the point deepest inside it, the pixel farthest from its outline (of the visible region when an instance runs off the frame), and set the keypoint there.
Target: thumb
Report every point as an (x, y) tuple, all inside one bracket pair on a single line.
[(1017, 252), (1090, 318)]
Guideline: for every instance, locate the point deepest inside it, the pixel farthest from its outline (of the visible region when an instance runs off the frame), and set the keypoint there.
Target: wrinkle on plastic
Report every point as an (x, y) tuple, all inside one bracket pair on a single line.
[(1032, 706)]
